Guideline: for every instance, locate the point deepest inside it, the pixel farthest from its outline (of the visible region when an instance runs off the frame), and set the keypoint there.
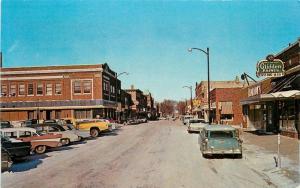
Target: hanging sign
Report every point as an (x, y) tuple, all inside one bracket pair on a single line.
[(270, 67)]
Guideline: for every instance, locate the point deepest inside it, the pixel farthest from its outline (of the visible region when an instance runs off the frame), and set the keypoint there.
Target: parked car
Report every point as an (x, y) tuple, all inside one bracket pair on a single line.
[(195, 125), (162, 118), (142, 120), (69, 124), (6, 160), (39, 143), (5, 124), (68, 136), (94, 127), (16, 148), (131, 121), (220, 139), (29, 122), (186, 118)]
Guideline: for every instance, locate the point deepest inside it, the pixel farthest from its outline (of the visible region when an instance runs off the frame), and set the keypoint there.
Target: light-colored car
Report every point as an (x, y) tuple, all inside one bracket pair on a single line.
[(39, 143), (186, 118), (196, 125), (220, 139), (68, 136), (94, 127)]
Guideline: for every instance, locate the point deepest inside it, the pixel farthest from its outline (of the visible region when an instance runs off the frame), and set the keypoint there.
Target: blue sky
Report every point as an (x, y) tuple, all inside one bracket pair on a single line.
[(148, 39)]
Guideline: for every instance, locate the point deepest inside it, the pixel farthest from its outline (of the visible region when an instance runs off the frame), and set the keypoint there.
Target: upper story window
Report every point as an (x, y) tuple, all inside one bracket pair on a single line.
[(40, 89), (87, 86), (58, 89), (3, 90), (106, 86), (13, 90), (21, 89), (48, 89), (30, 89), (77, 87)]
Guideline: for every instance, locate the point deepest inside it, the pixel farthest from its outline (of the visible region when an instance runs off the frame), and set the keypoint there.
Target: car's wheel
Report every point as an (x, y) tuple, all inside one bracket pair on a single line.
[(239, 156), (189, 132), (94, 132), (67, 141), (40, 149)]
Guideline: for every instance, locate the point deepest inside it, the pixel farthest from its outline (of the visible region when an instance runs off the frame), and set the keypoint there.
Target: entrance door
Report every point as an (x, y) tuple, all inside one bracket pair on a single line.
[(48, 114), (272, 125)]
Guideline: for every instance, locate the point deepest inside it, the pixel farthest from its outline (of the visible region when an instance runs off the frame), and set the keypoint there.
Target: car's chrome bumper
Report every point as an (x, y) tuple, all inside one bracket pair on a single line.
[(218, 151)]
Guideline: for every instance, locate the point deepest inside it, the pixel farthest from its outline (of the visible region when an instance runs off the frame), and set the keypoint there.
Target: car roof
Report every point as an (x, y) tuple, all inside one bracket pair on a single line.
[(219, 128), (18, 129)]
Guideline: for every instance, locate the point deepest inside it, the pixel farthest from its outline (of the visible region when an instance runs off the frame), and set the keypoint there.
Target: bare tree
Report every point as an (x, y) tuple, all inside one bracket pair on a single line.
[(167, 107), (181, 107)]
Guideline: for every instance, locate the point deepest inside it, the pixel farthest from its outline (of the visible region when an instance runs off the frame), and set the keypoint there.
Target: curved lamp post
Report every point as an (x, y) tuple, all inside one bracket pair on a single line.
[(208, 81), (117, 75), (191, 88)]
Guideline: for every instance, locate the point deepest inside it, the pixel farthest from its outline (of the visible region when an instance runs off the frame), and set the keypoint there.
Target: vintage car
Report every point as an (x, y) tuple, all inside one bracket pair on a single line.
[(5, 124), (39, 143), (195, 125), (94, 126), (6, 160), (16, 148), (68, 136), (220, 139), (186, 118)]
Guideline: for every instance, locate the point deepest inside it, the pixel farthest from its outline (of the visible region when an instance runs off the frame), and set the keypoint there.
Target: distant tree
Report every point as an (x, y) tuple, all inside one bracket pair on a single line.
[(167, 107), (181, 107)]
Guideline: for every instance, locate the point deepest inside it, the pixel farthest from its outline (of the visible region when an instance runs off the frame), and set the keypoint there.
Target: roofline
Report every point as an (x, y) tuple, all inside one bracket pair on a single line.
[(70, 65), (289, 47)]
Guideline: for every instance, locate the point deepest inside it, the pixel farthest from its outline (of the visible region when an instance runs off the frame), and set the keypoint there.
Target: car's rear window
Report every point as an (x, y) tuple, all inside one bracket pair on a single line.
[(221, 134)]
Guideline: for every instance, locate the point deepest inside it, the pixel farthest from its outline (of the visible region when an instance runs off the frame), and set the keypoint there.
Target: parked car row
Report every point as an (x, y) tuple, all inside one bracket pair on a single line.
[(35, 137), (215, 139), (135, 121)]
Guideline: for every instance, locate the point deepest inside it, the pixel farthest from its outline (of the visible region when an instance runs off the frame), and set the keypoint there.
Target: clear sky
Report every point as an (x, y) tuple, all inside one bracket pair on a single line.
[(148, 39)]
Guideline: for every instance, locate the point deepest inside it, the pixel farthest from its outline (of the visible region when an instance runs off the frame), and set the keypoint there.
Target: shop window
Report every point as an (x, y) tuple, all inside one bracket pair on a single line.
[(226, 116), (30, 89), (87, 86), (287, 116), (48, 89), (58, 114), (77, 87), (13, 90), (3, 90), (83, 114), (40, 89), (58, 89), (21, 89)]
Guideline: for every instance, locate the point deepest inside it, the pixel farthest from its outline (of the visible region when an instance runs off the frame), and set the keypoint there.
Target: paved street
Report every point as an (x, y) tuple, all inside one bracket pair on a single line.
[(155, 154)]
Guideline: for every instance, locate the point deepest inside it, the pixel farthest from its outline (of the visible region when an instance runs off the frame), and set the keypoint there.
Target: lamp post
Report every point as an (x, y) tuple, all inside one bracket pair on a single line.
[(208, 81), (116, 98), (191, 88)]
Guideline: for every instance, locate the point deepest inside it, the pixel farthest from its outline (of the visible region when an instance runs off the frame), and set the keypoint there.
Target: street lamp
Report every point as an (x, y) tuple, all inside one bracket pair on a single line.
[(116, 98), (208, 81), (191, 88)]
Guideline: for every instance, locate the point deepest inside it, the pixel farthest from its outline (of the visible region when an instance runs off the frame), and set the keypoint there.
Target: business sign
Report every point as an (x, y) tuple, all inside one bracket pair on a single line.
[(270, 67), (256, 90)]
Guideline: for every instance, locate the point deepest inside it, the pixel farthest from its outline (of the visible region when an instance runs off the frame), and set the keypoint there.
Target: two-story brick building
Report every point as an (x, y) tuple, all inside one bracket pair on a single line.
[(79, 91), (139, 107)]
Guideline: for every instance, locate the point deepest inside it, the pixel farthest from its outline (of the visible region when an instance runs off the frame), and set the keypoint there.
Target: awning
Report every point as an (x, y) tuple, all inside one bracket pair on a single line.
[(281, 94), (226, 107)]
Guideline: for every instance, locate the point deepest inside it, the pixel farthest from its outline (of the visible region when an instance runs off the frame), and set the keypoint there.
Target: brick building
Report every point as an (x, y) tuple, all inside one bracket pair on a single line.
[(139, 107), (201, 94), (273, 104), (78, 91), (226, 107)]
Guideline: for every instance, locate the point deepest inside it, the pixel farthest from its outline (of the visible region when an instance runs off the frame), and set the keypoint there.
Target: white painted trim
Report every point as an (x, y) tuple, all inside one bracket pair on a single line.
[(51, 71), (32, 78)]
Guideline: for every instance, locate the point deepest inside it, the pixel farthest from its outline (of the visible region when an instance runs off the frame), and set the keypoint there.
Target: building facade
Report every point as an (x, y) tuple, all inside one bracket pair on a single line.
[(273, 104), (77, 91), (139, 107), (226, 107), (201, 93)]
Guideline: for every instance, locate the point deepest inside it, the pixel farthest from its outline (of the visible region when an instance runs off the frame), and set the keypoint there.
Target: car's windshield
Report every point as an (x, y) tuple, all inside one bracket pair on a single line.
[(221, 134)]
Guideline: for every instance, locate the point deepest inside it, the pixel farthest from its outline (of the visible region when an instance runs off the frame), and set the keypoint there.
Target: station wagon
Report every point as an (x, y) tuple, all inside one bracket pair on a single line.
[(220, 139)]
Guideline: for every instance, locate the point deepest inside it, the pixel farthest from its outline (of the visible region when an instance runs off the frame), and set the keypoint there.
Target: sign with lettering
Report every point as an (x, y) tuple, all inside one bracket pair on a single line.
[(254, 91), (270, 67)]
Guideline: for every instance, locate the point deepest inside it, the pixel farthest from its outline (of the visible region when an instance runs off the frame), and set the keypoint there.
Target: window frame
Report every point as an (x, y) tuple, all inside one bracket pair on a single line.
[(37, 89), (10, 90), (6, 88), (90, 86), (51, 88), (32, 89), (24, 89), (55, 92), (74, 86)]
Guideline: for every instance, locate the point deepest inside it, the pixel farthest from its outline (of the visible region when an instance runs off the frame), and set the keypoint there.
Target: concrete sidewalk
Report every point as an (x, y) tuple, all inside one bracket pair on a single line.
[(289, 147)]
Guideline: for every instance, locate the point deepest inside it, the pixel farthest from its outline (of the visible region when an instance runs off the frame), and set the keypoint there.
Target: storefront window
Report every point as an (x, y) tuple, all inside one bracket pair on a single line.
[(287, 115)]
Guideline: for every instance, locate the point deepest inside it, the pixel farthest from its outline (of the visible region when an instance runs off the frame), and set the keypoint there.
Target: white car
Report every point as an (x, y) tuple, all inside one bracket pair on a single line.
[(196, 125), (186, 118)]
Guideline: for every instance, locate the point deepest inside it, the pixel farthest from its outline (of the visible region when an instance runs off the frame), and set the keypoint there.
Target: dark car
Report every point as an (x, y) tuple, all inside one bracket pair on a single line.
[(30, 123), (5, 124), (17, 149), (6, 161)]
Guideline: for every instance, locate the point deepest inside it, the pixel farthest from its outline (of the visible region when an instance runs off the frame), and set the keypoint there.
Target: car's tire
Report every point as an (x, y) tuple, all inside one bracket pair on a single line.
[(94, 132), (40, 149), (204, 155), (239, 156), (189, 132), (67, 141)]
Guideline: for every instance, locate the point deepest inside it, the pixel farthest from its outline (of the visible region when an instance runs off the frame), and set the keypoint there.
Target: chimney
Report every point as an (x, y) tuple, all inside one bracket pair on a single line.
[(132, 86)]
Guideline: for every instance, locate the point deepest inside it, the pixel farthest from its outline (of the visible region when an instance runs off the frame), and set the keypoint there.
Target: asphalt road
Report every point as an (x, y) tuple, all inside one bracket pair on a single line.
[(153, 155)]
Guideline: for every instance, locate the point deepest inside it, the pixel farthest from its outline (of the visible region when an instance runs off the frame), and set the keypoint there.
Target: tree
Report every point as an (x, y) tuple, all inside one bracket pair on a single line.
[(181, 107), (167, 107)]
